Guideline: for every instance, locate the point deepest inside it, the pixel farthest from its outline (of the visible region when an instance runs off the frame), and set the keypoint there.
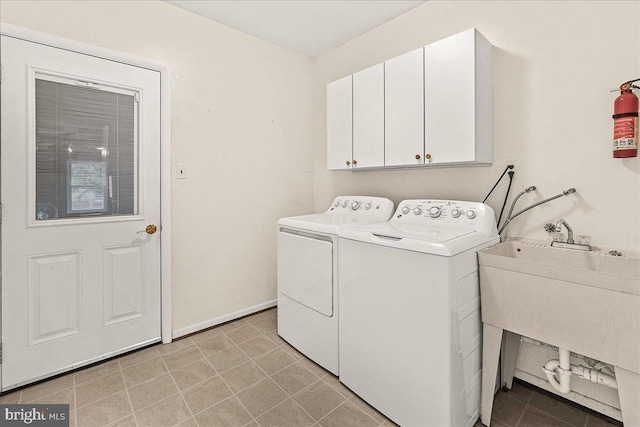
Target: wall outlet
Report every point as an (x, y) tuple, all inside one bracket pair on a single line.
[(516, 164), (181, 171)]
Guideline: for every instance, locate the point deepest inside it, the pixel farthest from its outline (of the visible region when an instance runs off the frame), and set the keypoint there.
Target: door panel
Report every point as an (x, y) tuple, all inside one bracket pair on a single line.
[(340, 124), (404, 109), (368, 117), (53, 290), (305, 270), (450, 93), (80, 181), (123, 280)]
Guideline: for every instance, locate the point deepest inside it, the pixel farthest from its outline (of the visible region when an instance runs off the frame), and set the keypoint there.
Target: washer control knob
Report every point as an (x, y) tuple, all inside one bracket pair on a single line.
[(367, 206), (405, 210), (456, 213), (336, 204), (355, 205), (344, 204), (434, 211), (471, 214), (417, 211)]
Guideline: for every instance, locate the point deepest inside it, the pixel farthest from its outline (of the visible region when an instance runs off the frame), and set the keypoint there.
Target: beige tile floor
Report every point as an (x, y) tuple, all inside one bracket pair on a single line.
[(242, 374)]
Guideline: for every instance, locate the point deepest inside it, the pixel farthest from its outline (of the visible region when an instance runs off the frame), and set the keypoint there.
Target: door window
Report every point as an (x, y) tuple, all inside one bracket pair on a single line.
[(86, 149)]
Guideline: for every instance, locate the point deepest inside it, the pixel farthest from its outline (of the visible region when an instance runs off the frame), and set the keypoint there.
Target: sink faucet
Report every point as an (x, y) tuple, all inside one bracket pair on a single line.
[(558, 227), (570, 243)]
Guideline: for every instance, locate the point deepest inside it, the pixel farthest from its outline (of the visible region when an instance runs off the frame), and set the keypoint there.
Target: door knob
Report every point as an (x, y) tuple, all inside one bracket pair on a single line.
[(150, 229)]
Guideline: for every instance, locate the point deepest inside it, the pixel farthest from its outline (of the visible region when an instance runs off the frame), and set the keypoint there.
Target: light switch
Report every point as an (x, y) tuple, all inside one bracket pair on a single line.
[(181, 171)]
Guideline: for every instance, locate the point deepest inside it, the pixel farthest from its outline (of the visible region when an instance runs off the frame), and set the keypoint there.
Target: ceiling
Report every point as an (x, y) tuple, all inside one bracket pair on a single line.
[(308, 27)]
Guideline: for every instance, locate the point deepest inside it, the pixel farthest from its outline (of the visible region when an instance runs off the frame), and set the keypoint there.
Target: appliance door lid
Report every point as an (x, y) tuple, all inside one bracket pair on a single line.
[(320, 223), (305, 269), (433, 240)]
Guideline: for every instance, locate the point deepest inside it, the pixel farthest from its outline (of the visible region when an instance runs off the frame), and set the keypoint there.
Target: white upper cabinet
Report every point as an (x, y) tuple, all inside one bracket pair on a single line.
[(429, 107), (339, 124), (404, 109), (458, 103), (368, 117)]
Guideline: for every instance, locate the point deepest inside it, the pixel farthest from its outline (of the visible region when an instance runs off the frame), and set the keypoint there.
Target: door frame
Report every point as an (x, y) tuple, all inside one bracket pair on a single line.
[(165, 144)]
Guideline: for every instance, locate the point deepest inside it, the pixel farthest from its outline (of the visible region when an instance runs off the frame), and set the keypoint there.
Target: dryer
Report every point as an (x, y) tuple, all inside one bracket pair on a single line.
[(410, 329), (307, 274)]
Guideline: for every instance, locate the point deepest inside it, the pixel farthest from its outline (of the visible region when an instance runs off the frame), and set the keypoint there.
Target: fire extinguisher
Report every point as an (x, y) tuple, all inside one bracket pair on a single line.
[(625, 121)]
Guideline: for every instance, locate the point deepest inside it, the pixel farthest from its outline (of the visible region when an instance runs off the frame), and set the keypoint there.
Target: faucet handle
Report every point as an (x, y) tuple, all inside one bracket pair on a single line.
[(584, 240), (550, 228)]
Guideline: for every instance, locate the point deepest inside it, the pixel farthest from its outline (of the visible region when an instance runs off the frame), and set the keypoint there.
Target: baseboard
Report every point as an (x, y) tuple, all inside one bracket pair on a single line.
[(222, 319)]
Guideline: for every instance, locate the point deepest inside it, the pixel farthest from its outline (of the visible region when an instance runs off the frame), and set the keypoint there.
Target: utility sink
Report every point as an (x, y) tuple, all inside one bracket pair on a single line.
[(584, 301), (593, 268)]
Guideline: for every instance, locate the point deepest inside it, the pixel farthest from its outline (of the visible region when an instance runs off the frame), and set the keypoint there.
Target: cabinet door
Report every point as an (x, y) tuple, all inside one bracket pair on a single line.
[(449, 83), (368, 117), (339, 124), (404, 109)]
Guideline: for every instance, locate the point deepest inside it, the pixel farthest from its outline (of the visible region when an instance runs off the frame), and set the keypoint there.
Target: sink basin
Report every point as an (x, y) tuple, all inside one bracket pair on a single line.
[(585, 302), (588, 302), (593, 268)]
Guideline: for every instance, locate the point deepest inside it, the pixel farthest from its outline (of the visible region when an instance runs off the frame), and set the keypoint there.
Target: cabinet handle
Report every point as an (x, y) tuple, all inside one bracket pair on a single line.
[(428, 157), (417, 156), (348, 162), (355, 162)]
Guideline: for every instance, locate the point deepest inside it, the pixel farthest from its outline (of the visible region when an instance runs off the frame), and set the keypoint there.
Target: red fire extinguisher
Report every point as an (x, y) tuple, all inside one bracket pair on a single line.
[(625, 121)]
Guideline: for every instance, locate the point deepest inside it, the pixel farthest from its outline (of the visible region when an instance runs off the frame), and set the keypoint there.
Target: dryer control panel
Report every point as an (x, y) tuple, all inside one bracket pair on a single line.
[(445, 213), (361, 206)]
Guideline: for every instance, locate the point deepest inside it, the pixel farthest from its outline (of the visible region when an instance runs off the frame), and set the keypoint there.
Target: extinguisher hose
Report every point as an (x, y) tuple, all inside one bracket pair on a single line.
[(498, 181), (506, 197), (630, 85)]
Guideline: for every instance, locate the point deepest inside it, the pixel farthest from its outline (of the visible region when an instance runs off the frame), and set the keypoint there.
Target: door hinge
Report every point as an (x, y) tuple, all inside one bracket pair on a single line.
[(136, 97), (0, 353)]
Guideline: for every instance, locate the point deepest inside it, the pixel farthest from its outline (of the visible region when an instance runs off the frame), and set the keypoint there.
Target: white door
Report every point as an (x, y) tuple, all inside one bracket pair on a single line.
[(80, 185), (339, 124), (450, 99), (368, 117), (404, 109), (305, 269)]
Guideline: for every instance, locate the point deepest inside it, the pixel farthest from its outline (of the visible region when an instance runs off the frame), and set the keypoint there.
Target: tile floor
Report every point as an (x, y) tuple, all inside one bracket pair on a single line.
[(242, 374)]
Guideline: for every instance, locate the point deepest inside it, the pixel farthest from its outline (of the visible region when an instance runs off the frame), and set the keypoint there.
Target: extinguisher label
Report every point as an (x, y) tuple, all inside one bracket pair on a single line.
[(625, 133)]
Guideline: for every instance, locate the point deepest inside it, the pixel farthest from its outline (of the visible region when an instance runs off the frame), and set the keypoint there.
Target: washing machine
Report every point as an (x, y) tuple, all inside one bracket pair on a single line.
[(410, 328), (307, 274)]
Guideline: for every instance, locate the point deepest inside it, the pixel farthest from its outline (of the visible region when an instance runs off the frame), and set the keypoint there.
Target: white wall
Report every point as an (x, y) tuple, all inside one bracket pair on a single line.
[(554, 64), (249, 118), (242, 111)]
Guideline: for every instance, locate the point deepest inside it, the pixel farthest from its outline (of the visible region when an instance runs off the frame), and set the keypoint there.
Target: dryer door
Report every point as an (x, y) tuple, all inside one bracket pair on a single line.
[(305, 269)]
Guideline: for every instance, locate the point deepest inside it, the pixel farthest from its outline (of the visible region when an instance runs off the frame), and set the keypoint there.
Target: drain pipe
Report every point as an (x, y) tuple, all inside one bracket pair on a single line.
[(559, 372), (594, 376)]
